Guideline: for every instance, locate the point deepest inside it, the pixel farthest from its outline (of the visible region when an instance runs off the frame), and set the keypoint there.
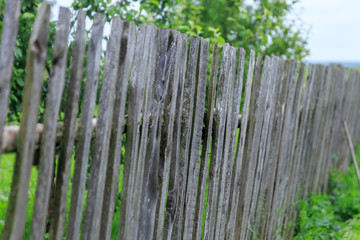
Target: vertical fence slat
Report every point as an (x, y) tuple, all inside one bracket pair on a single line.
[(127, 48), (186, 120), (252, 152), (52, 108), (234, 192), (217, 143), (67, 148), (199, 209), (136, 88), (36, 55), (8, 37), (172, 197), (265, 166), (92, 216), (195, 148), (227, 155), (87, 110), (147, 129), (249, 136), (167, 140), (166, 50)]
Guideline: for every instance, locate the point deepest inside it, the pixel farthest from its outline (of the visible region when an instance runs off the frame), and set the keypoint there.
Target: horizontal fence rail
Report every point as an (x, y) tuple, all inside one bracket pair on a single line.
[(197, 141)]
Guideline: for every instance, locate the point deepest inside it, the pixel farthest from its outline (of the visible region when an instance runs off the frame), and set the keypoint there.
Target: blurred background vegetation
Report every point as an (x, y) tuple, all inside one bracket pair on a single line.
[(265, 26)]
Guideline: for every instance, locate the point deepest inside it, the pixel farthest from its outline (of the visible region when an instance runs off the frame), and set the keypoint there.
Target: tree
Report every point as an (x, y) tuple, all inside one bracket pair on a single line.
[(263, 26)]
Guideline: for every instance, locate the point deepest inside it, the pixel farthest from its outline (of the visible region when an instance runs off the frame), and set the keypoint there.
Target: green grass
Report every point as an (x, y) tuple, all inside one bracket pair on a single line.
[(6, 172), (335, 215)]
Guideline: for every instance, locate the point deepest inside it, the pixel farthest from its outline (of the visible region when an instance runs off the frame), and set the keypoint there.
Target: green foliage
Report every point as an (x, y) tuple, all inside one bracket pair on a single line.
[(335, 215), (263, 26), (27, 17)]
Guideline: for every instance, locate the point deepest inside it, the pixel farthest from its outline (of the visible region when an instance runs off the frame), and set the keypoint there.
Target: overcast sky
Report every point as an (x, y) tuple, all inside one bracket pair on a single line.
[(334, 28)]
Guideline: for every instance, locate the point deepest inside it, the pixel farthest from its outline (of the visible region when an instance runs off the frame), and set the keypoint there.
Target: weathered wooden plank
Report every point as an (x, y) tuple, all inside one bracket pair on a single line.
[(52, 108), (172, 197), (151, 90), (8, 37), (233, 108), (284, 161), (95, 194), (136, 93), (252, 152), (196, 134), (234, 193), (36, 56), (83, 147), (67, 147), (218, 142), (255, 93), (314, 127), (294, 171), (271, 153), (166, 49), (166, 141), (127, 48), (265, 164), (199, 209), (186, 120)]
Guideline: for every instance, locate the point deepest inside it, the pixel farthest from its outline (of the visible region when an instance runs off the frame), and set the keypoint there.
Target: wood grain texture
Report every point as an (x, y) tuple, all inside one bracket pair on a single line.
[(218, 141), (167, 131), (127, 48), (142, 170), (8, 37), (83, 147), (235, 184), (196, 135), (205, 152), (52, 108), (172, 196), (36, 55), (233, 108), (69, 133), (96, 186), (186, 125), (255, 92), (136, 94)]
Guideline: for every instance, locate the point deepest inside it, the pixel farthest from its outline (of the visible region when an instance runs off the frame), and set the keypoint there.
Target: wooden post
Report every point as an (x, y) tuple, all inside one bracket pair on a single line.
[(351, 147), (9, 33), (36, 55)]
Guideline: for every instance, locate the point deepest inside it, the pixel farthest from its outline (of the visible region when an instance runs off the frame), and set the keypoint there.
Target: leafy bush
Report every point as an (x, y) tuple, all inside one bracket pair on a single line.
[(335, 215)]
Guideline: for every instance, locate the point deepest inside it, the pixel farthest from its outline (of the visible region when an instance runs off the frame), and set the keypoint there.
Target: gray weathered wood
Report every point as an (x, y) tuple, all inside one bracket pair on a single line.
[(252, 152), (36, 56), (172, 197), (83, 147), (52, 108), (199, 209), (166, 141), (264, 164), (233, 108), (127, 47), (196, 134), (136, 92), (234, 193), (149, 136), (218, 141), (95, 194), (8, 37), (186, 120), (67, 147), (249, 136)]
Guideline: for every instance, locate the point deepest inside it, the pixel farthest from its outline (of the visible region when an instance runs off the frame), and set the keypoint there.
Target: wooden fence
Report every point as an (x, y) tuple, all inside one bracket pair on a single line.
[(210, 153)]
